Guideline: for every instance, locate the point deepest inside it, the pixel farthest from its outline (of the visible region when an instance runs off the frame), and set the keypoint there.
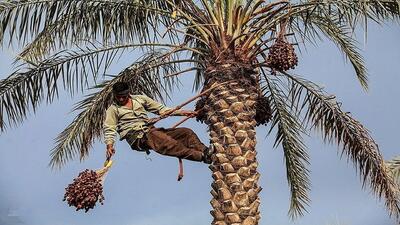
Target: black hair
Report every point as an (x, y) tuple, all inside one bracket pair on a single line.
[(121, 88)]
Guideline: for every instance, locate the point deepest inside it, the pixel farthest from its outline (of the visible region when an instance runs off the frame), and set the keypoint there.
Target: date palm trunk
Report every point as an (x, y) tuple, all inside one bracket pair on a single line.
[(230, 115)]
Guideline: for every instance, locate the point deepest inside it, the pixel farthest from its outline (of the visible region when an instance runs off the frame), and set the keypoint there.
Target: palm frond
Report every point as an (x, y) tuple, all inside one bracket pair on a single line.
[(143, 76), (394, 166), (61, 23), (289, 133), (27, 87), (323, 113), (340, 34), (199, 76), (351, 12)]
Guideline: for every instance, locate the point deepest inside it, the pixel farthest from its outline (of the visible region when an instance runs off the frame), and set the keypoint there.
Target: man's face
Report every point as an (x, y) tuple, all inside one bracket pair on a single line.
[(122, 99)]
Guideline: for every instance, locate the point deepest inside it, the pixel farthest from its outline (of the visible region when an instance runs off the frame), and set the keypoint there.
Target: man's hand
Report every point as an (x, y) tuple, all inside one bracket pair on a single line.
[(110, 151)]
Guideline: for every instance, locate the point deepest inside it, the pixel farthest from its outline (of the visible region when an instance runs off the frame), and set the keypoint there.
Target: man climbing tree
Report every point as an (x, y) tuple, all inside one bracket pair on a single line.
[(251, 42), (127, 116)]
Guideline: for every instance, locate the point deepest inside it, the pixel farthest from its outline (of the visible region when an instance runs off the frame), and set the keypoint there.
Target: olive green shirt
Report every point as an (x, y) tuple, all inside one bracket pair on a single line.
[(121, 119)]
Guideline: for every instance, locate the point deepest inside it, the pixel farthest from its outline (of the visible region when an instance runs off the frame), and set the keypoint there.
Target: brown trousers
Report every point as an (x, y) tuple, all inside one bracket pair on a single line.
[(177, 142)]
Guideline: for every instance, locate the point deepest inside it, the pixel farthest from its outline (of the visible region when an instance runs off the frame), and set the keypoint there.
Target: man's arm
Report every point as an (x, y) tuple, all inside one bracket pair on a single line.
[(160, 109), (154, 106), (182, 112), (110, 130)]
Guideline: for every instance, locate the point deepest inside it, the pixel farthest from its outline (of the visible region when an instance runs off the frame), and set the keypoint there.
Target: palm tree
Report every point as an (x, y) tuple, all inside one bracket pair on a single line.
[(244, 47)]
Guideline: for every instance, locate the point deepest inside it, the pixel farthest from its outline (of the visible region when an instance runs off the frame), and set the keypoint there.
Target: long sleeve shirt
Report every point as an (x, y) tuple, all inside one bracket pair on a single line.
[(121, 119)]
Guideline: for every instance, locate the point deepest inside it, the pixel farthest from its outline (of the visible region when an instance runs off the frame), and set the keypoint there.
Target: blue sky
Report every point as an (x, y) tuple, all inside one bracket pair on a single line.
[(141, 191)]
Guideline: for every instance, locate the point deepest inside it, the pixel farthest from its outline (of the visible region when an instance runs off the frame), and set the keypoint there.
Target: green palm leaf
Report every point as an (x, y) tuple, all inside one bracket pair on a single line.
[(394, 166), (289, 133), (144, 77), (323, 113), (351, 12), (340, 34), (74, 69), (59, 23)]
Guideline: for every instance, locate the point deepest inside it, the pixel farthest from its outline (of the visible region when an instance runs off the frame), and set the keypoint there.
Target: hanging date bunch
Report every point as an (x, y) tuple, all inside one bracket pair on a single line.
[(84, 191), (87, 189), (202, 113), (263, 110), (282, 55)]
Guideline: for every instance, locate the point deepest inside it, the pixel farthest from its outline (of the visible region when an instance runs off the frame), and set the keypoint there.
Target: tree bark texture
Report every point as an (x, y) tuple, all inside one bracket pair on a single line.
[(230, 115)]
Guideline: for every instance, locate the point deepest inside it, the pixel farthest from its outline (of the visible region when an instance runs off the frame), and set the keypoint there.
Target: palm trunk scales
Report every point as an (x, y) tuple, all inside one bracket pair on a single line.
[(230, 111)]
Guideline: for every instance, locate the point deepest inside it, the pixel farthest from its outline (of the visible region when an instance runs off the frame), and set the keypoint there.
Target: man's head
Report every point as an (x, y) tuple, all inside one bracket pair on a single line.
[(121, 92)]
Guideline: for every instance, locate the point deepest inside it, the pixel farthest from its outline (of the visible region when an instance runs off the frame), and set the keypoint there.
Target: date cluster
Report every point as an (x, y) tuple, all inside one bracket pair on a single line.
[(85, 191)]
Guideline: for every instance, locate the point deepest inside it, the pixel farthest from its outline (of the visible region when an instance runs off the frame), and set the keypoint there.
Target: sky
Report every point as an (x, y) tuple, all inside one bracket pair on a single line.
[(144, 191)]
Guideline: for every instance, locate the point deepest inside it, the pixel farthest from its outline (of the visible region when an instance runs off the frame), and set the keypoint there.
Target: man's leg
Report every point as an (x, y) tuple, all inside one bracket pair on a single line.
[(159, 140), (187, 137)]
